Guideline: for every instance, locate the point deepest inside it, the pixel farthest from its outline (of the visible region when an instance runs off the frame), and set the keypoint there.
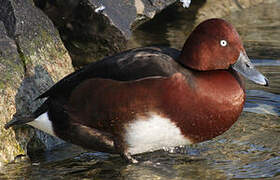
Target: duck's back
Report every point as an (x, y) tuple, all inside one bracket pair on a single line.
[(127, 66), (130, 65)]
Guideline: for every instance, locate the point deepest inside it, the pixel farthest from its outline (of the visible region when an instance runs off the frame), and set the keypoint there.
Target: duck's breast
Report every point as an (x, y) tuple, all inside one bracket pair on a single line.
[(205, 105)]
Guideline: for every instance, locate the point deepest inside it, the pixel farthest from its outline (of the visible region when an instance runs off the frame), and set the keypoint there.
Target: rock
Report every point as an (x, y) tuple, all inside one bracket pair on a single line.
[(32, 58), (12, 72), (222, 8), (93, 29)]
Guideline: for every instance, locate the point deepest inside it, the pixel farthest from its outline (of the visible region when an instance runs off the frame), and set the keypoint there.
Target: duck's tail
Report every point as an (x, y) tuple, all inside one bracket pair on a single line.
[(18, 120)]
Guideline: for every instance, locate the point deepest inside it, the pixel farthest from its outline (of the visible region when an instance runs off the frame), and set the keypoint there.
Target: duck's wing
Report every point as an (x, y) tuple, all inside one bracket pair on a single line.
[(130, 65), (127, 66)]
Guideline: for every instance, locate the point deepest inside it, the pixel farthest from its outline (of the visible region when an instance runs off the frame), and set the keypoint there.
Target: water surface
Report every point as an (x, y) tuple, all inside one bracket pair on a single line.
[(250, 149)]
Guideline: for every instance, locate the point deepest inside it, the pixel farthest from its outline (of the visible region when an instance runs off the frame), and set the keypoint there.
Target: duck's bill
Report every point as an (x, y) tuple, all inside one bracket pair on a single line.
[(245, 67)]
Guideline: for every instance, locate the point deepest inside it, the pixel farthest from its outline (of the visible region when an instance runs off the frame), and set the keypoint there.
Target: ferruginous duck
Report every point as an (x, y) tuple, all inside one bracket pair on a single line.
[(148, 98)]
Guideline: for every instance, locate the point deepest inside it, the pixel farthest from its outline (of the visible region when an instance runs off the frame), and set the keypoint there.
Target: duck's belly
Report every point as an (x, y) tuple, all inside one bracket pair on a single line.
[(152, 132)]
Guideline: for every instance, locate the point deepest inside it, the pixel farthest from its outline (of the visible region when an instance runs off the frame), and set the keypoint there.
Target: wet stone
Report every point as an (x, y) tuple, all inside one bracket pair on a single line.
[(32, 58), (11, 74)]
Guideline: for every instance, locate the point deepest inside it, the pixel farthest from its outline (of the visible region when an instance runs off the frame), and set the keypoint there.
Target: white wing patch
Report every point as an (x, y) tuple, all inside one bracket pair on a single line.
[(43, 123), (153, 133)]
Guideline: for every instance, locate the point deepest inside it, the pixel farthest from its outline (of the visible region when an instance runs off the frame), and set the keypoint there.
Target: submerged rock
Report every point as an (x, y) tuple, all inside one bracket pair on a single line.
[(32, 58)]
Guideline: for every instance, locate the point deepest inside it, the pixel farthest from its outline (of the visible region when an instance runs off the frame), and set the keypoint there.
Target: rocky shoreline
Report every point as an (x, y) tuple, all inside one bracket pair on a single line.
[(41, 40)]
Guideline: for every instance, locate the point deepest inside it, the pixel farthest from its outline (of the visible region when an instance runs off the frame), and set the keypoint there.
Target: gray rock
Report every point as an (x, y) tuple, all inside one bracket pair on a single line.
[(32, 58), (11, 74), (93, 29)]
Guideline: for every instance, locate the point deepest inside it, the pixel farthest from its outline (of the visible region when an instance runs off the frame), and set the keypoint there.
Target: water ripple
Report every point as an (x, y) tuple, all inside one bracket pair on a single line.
[(262, 102), (259, 169), (265, 62)]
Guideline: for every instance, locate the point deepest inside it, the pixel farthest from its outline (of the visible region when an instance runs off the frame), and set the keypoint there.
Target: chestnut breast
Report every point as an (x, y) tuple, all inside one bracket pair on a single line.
[(205, 105)]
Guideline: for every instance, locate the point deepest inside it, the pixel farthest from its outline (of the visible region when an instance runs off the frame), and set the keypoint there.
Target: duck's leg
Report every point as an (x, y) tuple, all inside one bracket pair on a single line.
[(94, 139), (127, 156), (122, 150), (88, 138)]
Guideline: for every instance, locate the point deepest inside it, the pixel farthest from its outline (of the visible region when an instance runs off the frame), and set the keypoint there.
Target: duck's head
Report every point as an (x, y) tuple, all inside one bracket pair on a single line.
[(215, 44)]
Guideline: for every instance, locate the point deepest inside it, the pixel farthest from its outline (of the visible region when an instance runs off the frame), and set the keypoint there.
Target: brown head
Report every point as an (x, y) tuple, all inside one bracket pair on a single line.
[(215, 44)]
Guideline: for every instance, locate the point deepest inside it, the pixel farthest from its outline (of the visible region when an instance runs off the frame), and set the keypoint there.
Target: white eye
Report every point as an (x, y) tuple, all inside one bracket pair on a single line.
[(223, 43)]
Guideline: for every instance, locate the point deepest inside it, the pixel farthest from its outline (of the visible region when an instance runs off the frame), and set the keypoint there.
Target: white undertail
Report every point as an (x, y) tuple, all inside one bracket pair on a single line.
[(153, 132), (43, 123)]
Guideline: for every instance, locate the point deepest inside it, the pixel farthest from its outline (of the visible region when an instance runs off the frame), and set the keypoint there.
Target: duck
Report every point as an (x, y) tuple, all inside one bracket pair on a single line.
[(146, 99)]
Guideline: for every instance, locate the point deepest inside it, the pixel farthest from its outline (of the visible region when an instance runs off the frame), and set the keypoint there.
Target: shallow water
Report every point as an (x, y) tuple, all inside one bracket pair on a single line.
[(250, 149)]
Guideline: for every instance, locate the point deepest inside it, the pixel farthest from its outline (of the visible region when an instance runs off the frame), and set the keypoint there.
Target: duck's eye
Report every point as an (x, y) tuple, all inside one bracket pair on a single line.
[(223, 43)]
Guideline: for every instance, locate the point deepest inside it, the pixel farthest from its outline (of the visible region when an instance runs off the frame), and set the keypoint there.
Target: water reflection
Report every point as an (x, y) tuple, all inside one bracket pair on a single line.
[(250, 149)]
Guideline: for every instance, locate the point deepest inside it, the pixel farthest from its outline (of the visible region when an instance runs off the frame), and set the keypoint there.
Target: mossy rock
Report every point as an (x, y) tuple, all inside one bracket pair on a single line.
[(32, 59)]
